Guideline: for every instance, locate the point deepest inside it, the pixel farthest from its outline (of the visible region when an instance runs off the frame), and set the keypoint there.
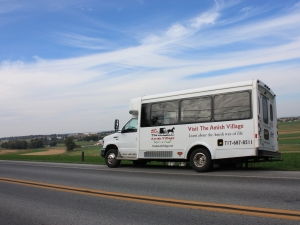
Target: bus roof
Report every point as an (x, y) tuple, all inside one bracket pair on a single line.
[(135, 103), (202, 89)]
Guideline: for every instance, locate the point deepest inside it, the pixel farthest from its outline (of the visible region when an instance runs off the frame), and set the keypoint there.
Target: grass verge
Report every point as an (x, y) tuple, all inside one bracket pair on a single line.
[(291, 161), (54, 158)]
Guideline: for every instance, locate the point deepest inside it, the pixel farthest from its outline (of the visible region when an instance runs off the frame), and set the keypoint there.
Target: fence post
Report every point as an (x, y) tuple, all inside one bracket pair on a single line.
[(82, 156)]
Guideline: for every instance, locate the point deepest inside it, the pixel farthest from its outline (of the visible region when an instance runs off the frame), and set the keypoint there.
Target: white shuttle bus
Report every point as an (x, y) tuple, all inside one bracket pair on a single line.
[(222, 125)]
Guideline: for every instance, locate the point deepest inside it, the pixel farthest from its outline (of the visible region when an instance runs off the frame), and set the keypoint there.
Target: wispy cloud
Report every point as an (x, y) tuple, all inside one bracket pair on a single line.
[(82, 41), (179, 31), (89, 92)]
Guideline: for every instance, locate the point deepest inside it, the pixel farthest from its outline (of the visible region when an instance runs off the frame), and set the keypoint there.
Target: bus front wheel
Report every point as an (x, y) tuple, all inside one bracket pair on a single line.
[(111, 158), (200, 160)]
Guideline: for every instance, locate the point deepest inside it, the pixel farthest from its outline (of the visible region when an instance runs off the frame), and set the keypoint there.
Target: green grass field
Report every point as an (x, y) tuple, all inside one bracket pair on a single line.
[(291, 161), (289, 146), (289, 136)]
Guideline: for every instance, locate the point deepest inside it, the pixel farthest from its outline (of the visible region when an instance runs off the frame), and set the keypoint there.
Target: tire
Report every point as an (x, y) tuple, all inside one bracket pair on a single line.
[(200, 160), (139, 163), (111, 158)]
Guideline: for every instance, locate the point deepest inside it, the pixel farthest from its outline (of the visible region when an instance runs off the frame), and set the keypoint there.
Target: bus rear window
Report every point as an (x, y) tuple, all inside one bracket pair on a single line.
[(265, 110), (271, 112)]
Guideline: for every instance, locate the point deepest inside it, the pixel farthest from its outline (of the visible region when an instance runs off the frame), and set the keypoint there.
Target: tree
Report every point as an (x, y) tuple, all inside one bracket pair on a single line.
[(69, 143), (36, 143), (4, 145), (52, 143)]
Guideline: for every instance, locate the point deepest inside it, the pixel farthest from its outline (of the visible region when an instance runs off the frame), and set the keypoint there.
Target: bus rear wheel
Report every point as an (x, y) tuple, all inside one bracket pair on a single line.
[(200, 160), (111, 158)]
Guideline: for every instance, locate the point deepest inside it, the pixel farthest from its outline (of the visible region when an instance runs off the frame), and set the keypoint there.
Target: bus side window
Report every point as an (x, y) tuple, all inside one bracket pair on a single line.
[(164, 113), (232, 106), (145, 115), (196, 110)]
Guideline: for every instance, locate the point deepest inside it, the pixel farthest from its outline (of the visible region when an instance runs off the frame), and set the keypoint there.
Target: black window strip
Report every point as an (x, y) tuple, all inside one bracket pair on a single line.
[(148, 106)]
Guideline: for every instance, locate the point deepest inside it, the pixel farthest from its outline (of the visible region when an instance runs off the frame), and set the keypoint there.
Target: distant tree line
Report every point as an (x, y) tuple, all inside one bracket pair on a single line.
[(93, 137), (15, 145), (52, 137), (22, 144), (29, 137)]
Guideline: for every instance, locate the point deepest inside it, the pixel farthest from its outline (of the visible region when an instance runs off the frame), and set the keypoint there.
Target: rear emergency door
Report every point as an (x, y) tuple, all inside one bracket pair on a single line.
[(267, 123)]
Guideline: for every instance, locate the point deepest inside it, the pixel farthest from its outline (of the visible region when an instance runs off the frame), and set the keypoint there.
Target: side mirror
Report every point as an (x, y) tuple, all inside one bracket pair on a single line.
[(116, 125)]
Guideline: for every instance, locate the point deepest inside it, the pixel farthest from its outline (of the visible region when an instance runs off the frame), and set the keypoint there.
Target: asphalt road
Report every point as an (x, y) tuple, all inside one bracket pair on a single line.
[(25, 204)]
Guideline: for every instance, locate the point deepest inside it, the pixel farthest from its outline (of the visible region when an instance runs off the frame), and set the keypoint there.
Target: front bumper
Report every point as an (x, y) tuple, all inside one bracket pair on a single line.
[(102, 152)]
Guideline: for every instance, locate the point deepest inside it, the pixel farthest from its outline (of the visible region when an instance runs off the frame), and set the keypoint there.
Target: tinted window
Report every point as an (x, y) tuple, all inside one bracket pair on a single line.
[(145, 115), (163, 113), (196, 110), (265, 110), (232, 106), (266, 134)]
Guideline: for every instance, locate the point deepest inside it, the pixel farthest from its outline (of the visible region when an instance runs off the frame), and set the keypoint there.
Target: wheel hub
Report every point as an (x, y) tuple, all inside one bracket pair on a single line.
[(111, 158), (199, 159)]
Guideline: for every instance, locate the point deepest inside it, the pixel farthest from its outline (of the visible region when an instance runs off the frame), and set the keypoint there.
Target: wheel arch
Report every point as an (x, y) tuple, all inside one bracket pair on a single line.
[(199, 146), (109, 147)]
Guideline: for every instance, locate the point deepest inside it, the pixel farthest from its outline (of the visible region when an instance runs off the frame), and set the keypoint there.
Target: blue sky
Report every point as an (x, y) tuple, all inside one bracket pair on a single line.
[(71, 66)]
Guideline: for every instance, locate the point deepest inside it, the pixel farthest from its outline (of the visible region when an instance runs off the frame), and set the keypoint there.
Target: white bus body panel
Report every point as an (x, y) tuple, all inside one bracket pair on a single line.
[(237, 138), (237, 135), (224, 139)]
